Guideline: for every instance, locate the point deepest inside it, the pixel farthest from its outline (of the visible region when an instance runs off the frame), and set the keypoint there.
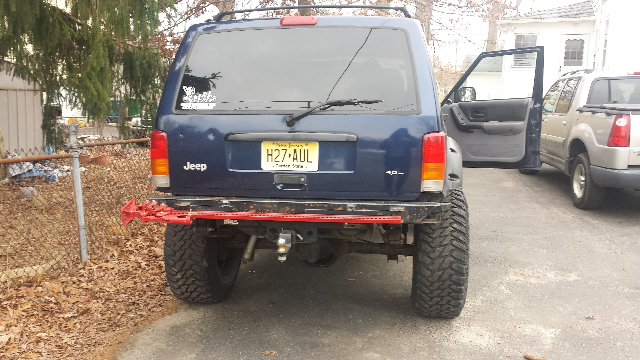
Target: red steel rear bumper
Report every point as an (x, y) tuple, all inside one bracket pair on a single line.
[(152, 211)]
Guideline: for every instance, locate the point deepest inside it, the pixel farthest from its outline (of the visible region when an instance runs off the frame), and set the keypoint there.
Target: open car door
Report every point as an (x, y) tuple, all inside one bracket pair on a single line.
[(494, 112)]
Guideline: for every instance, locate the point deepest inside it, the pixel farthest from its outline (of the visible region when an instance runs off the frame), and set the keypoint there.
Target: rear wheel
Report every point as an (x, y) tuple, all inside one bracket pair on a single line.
[(585, 193), (441, 264), (199, 269), (528, 171)]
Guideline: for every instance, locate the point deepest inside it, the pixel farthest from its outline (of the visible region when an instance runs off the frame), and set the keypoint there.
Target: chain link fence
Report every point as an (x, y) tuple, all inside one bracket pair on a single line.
[(39, 233), (114, 174)]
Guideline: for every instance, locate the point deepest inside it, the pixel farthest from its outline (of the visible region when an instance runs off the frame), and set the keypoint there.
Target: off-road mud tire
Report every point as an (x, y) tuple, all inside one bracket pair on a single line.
[(441, 262), (528, 171), (591, 196), (194, 271)]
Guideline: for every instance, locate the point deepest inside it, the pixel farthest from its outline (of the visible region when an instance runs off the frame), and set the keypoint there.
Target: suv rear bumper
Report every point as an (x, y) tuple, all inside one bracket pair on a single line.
[(626, 179), (184, 209)]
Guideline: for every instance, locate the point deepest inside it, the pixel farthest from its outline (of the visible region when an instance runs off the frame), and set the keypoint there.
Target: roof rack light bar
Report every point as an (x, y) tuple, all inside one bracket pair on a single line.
[(402, 9)]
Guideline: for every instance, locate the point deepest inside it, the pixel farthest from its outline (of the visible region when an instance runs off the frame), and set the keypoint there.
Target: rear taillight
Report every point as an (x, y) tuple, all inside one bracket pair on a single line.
[(298, 20), (619, 136), (434, 155), (159, 159)]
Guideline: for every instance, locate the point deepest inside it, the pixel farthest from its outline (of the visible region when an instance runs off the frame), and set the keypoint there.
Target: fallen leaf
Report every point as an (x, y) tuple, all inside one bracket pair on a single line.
[(68, 315), (533, 357), (60, 299), (56, 287), (351, 279), (4, 339), (269, 353), (30, 355)]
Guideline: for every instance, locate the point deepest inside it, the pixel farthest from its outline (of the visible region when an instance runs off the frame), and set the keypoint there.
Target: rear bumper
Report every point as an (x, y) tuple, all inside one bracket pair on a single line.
[(184, 209), (626, 179)]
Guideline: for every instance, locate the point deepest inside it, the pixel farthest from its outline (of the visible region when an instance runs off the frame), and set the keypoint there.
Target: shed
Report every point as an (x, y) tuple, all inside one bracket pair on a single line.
[(20, 114)]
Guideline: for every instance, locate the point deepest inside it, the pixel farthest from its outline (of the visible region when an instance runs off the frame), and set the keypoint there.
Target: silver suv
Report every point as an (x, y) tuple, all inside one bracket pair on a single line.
[(591, 131)]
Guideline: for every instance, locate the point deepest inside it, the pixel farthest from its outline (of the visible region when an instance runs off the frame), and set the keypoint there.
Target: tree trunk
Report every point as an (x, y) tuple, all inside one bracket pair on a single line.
[(226, 6), (495, 13), (497, 9), (382, 3), (305, 12), (424, 10)]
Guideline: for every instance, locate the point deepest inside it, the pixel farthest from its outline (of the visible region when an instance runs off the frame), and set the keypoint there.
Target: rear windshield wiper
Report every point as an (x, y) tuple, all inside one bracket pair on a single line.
[(291, 119)]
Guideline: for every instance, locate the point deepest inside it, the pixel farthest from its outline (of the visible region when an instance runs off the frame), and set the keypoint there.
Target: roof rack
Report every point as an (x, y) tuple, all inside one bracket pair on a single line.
[(584, 71), (402, 9)]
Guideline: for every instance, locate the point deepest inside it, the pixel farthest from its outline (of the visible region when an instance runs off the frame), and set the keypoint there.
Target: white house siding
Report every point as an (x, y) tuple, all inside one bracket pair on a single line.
[(20, 113), (549, 34), (487, 85), (508, 84), (623, 50), (517, 82)]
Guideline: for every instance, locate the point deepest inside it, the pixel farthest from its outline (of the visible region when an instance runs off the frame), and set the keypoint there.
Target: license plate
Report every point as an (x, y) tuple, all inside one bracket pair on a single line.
[(295, 156)]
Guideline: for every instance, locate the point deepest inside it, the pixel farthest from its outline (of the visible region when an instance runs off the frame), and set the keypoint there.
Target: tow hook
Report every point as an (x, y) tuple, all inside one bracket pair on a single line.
[(285, 240)]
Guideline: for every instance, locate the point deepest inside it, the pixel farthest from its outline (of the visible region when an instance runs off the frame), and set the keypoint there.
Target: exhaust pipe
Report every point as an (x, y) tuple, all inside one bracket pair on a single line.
[(248, 251)]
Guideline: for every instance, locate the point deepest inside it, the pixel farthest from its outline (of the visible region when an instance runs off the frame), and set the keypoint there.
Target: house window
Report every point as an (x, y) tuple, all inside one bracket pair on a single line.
[(573, 52), (525, 60)]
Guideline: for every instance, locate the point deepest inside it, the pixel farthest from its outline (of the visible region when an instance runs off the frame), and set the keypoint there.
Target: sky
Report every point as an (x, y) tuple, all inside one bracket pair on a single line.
[(456, 40)]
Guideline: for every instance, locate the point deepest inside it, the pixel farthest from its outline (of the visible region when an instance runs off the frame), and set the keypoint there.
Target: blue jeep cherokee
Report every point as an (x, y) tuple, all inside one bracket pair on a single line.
[(321, 136)]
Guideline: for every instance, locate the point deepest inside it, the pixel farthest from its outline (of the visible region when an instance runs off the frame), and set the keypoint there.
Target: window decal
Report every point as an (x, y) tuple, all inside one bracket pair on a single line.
[(197, 101)]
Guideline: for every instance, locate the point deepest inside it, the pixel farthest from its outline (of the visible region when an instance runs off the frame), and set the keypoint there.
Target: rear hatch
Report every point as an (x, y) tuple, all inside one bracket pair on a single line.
[(227, 130)]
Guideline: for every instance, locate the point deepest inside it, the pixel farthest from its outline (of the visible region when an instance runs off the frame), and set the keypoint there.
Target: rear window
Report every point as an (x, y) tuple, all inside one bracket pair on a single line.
[(615, 91), (280, 70)]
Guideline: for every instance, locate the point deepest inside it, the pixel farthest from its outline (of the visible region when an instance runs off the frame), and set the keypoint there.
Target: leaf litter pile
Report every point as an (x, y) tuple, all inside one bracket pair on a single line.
[(68, 310), (77, 316)]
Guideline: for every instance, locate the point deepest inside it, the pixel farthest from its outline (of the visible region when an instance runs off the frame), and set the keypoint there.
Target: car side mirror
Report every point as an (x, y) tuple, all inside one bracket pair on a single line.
[(467, 94)]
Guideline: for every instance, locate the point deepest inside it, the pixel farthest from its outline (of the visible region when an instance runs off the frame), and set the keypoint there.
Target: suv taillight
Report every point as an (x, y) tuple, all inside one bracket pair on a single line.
[(434, 155), (159, 159), (620, 130)]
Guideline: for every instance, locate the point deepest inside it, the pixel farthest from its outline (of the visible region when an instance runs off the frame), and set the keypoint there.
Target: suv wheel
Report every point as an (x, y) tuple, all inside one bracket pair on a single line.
[(199, 269), (441, 264), (585, 193)]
